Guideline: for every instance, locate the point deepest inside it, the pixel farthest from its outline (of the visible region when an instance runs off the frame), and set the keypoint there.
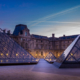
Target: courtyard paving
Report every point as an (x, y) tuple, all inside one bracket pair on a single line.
[(41, 71)]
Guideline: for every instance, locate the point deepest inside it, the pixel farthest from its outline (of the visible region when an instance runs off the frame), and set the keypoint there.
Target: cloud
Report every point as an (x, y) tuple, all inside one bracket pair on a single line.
[(59, 30), (52, 16), (56, 22)]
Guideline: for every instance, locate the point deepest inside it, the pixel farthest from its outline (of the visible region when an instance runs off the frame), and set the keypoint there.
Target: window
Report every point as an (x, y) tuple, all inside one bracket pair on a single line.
[(41, 40), (21, 32), (16, 54), (49, 47), (36, 53), (41, 46), (6, 54), (21, 39), (36, 40), (25, 33), (36, 45), (1, 54), (41, 53)]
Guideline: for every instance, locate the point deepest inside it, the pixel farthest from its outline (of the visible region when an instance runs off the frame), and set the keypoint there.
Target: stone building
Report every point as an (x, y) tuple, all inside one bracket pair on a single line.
[(39, 46)]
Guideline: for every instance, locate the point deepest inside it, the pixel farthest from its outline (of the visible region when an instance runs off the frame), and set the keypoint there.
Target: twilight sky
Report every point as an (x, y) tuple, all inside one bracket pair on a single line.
[(42, 17)]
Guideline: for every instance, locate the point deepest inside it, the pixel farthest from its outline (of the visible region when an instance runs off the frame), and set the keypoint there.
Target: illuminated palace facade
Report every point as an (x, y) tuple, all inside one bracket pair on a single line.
[(39, 46)]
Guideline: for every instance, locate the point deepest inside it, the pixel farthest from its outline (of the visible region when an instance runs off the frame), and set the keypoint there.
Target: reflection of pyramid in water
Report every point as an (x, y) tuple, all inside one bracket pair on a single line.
[(11, 52), (71, 56), (50, 57)]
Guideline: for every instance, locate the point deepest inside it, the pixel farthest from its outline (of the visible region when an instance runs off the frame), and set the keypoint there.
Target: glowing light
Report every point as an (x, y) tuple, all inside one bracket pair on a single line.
[(50, 59), (71, 54), (16, 60), (7, 54), (36, 54), (37, 59), (39, 54), (16, 54), (6, 60), (58, 54), (1, 54), (23, 54), (1, 61)]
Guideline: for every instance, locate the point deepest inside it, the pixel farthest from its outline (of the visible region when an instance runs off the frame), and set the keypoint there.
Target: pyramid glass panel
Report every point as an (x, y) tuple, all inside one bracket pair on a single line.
[(50, 57), (11, 52), (71, 56)]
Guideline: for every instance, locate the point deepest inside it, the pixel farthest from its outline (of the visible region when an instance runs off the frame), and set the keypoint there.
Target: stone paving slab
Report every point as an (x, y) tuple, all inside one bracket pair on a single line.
[(42, 71)]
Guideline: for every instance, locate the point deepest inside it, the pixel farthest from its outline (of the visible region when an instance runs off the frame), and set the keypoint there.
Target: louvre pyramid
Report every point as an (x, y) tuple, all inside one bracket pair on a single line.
[(11, 52), (71, 56), (50, 57)]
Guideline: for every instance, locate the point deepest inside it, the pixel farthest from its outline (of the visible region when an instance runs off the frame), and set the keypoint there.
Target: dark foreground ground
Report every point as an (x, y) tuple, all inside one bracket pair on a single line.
[(41, 71)]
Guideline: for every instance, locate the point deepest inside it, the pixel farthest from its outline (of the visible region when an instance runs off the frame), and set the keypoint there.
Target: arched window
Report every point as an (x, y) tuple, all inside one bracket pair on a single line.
[(25, 33), (36, 53), (21, 39), (21, 32)]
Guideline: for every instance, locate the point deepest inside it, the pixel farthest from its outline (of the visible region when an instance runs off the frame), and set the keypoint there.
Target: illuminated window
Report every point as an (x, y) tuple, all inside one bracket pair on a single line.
[(58, 54), (1, 54), (71, 54), (16, 60), (7, 54), (16, 54), (36, 54), (41, 53), (6, 60), (1, 61)]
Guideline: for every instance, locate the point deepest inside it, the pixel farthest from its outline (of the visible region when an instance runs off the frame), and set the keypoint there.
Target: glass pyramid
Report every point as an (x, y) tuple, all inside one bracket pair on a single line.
[(50, 57), (71, 56), (11, 52)]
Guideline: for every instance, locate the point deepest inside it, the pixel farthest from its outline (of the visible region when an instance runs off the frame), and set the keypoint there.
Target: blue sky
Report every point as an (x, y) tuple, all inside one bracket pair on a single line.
[(42, 17)]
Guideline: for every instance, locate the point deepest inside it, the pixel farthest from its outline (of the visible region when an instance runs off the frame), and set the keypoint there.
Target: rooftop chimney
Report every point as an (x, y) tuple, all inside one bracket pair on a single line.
[(63, 35), (53, 35), (4, 30), (8, 32)]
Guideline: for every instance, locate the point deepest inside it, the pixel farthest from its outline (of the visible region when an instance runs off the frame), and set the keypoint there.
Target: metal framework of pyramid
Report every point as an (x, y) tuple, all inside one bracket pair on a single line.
[(71, 56), (50, 57), (11, 52)]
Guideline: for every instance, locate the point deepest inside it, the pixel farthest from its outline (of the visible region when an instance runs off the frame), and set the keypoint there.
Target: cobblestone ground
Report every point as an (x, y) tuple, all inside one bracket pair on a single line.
[(42, 71)]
